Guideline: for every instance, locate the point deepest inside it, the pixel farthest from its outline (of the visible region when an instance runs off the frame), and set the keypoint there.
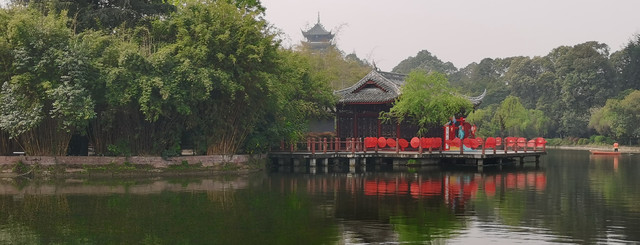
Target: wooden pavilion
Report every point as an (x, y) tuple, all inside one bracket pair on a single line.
[(358, 109)]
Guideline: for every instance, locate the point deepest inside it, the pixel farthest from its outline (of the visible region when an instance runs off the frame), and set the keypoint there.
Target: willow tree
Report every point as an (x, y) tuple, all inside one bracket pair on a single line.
[(427, 99), (619, 118), (510, 118), (45, 101)]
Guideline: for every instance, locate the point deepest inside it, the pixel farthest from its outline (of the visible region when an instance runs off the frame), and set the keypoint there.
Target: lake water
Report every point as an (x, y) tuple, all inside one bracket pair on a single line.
[(571, 198)]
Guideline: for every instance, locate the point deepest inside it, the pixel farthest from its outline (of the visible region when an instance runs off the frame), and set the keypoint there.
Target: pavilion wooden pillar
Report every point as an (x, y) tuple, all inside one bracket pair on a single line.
[(379, 129)]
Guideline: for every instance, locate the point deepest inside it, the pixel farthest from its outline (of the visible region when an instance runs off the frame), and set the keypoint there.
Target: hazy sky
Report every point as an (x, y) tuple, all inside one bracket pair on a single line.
[(460, 31)]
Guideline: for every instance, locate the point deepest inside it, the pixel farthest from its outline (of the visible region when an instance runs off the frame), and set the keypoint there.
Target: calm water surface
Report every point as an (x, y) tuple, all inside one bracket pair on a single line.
[(571, 198)]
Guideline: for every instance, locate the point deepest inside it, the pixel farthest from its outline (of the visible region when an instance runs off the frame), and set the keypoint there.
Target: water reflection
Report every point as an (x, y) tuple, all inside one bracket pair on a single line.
[(225, 210), (119, 186), (572, 198), (419, 206)]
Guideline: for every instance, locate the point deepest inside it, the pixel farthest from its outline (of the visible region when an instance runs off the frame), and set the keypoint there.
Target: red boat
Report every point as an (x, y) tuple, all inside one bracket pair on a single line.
[(613, 153)]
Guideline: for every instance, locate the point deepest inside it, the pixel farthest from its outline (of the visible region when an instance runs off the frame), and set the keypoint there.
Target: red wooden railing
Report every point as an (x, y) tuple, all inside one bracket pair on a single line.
[(419, 145)]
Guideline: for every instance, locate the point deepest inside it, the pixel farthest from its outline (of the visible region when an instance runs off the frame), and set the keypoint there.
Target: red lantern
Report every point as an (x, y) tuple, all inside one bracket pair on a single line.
[(415, 142), (391, 142)]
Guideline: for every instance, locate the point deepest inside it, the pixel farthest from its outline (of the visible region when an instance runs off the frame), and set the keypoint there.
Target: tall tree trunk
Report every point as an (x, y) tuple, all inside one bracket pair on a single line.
[(128, 133), (47, 139), (6, 144)]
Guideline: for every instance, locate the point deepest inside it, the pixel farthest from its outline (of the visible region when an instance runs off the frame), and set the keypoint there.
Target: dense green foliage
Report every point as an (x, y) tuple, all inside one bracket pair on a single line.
[(45, 100), (332, 66), (106, 14), (426, 62), (427, 99), (509, 118), (558, 93), (619, 118), (209, 76)]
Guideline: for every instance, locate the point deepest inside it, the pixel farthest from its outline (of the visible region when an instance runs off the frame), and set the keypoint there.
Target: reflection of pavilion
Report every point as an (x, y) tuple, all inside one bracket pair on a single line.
[(451, 187), (456, 191), (370, 208), (457, 186)]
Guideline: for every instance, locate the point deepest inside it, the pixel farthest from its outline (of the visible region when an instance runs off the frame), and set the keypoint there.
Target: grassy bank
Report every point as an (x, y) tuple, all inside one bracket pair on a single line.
[(596, 142), (622, 148)]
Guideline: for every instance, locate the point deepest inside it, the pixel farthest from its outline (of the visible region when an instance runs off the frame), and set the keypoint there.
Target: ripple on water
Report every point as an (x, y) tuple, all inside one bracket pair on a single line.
[(497, 233)]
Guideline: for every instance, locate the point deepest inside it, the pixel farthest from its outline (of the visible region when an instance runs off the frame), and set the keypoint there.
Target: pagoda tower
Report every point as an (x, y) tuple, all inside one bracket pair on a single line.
[(317, 37)]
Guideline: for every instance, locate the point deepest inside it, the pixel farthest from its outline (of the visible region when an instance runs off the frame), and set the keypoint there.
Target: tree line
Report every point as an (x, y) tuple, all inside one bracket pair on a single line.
[(141, 77), (151, 78), (573, 92)]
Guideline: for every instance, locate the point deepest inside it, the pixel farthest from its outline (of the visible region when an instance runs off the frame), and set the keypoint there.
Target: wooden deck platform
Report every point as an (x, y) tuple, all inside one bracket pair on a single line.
[(325, 152)]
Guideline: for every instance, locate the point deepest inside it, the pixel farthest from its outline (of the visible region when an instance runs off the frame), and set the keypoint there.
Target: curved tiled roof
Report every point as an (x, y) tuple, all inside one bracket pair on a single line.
[(382, 87), (385, 87)]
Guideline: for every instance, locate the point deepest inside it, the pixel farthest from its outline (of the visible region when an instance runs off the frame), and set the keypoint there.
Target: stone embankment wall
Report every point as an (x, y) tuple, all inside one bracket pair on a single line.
[(156, 162)]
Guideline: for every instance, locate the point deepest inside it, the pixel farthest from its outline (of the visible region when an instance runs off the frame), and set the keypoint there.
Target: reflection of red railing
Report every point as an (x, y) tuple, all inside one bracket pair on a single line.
[(420, 145), (456, 186)]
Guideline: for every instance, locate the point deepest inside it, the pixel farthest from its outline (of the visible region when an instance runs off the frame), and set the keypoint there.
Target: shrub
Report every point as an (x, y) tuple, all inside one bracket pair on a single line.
[(599, 139), (21, 168)]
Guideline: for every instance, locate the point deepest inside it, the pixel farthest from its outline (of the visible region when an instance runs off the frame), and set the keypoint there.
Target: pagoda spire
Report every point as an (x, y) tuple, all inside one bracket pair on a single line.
[(318, 17)]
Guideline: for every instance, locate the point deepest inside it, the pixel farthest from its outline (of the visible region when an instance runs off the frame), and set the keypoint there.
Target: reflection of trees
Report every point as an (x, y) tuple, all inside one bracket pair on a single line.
[(580, 201), (388, 207), (564, 207), (613, 179), (574, 208), (225, 198), (426, 224), (613, 184), (391, 207), (574, 198), (28, 217), (229, 216)]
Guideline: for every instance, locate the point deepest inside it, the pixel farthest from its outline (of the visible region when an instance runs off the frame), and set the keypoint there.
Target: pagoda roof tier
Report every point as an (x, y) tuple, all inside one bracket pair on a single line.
[(317, 30)]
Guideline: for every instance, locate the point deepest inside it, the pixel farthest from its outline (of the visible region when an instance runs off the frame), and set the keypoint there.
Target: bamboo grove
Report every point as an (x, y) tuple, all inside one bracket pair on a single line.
[(156, 78)]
